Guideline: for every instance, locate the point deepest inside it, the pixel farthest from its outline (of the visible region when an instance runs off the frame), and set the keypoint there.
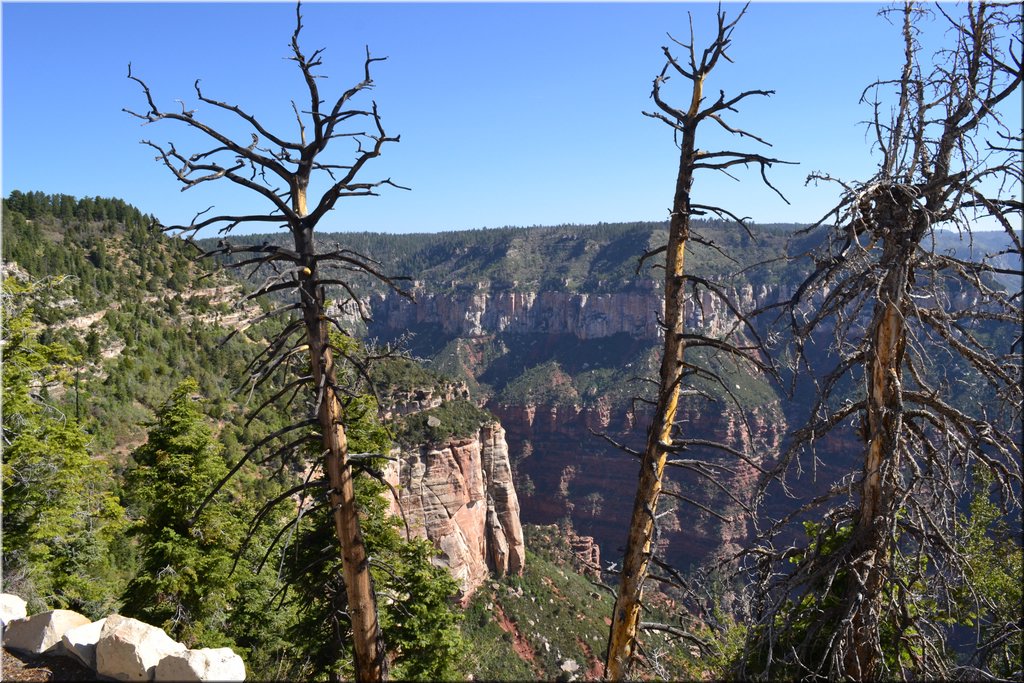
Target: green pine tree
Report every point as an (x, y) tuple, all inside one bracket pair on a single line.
[(184, 584), (59, 512), (990, 602), (418, 616)]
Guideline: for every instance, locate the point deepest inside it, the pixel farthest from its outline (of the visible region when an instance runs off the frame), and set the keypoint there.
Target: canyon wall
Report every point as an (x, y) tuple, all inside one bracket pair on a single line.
[(483, 310), (563, 468), (460, 495), (566, 470), (468, 313)]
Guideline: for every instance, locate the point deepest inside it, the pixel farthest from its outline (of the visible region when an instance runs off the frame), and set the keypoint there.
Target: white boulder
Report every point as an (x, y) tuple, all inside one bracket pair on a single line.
[(130, 650), (11, 607), (40, 632), (208, 664), (80, 642)]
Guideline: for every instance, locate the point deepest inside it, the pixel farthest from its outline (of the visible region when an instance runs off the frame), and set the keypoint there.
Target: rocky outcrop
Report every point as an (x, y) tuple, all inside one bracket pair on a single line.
[(468, 313), (587, 554), (460, 495), (506, 550), (400, 403)]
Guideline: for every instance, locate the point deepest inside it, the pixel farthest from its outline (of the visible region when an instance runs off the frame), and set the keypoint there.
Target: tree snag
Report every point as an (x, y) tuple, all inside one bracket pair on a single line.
[(926, 353), (259, 163), (661, 435)]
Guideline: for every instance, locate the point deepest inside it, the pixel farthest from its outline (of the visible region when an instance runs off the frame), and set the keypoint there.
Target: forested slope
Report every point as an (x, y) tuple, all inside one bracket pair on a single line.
[(125, 405)]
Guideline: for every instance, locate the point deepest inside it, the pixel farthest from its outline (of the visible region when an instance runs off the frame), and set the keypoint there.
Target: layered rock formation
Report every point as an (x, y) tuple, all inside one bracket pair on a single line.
[(417, 400), (467, 313), (460, 495), (564, 469), (576, 474), (486, 310), (587, 554)]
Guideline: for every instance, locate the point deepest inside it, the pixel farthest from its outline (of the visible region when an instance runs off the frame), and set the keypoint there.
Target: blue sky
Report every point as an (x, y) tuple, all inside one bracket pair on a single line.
[(509, 114)]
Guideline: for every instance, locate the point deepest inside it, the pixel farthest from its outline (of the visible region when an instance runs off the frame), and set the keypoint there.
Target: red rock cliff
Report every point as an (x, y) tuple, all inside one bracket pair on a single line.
[(460, 495)]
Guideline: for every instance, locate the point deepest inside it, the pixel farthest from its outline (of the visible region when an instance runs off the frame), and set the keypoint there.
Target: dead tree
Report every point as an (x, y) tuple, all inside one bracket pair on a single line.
[(663, 438), (279, 169), (927, 369)]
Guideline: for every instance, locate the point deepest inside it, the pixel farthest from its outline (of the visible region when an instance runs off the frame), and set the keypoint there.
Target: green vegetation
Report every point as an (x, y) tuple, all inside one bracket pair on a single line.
[(739, 383), (61, 517), (989, 602), (545, 384), (574, 258), (393, 375), (555, 370), (552, 614), (134, 347), (993, 597), (184, 581), (79, 397), (419, 619), (451, 420)]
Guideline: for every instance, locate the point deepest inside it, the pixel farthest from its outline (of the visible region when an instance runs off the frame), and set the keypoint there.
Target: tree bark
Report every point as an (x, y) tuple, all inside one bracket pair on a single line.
[(862, 658), (626, 615), (367, 643), (901, 227)]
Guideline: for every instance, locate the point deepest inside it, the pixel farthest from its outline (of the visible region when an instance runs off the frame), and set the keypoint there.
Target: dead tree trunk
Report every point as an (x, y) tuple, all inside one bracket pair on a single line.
[(661, 436), (626, 617), (868, 596), (362, 603), (258, 164), (871, 549)]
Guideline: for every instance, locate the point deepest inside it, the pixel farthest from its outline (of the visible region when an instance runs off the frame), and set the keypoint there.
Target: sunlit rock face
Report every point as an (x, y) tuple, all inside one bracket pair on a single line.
[(563, 469), (460, 495), (580, 314), (583, 315)]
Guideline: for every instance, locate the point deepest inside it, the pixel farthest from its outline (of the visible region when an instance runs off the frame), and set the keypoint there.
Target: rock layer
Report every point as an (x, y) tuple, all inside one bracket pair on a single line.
[(460, 495), (472, 313), (568, 464), (487, 310), (563, 468)]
